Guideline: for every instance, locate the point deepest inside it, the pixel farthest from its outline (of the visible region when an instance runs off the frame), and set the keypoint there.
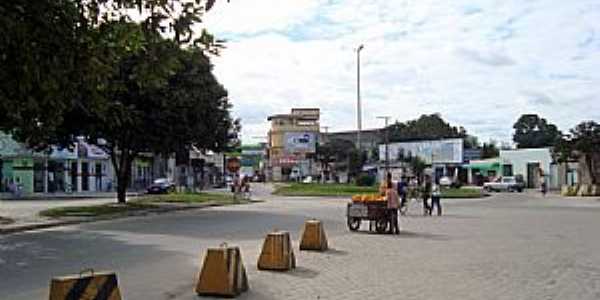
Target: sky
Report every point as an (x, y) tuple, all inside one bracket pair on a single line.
[(481, 64)]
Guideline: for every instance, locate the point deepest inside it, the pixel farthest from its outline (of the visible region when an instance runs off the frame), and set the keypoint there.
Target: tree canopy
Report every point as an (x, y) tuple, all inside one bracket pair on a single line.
[(583, 143), (489, 150), (130, 74), (532, 131), (426, 127)]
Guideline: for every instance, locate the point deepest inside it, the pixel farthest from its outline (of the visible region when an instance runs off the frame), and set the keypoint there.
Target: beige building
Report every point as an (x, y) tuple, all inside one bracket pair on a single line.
[(292, 144)]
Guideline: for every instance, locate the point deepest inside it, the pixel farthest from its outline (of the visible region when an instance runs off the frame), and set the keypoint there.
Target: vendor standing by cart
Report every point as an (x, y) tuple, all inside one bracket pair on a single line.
[(393, 204)]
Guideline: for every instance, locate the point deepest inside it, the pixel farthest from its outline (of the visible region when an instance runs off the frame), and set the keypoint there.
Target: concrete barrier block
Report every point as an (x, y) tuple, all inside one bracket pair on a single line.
[(565, 190), (223, 273), (277, 253), (100, 286), (313, 236), (584, 190)]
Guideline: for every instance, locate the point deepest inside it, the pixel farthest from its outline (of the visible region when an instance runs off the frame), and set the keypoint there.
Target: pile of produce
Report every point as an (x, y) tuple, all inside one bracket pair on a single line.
[(368, 198)]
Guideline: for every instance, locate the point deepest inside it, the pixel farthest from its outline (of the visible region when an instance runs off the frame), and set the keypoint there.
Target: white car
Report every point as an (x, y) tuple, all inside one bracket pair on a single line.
[(507, 183), (445, 181), (308, 179)]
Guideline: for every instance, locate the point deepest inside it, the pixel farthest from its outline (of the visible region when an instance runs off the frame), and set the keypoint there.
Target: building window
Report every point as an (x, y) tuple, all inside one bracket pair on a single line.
[(507, 170)]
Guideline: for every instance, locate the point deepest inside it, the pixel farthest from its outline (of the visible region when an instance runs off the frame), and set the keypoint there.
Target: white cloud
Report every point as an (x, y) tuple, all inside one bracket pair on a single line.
[(479, 63)]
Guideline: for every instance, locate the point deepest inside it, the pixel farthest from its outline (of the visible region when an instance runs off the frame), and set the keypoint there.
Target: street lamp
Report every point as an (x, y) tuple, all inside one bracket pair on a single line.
[(358, 107), (387, 153)]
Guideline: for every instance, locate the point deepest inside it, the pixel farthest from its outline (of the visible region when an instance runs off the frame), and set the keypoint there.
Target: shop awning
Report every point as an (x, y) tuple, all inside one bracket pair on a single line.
[(483, 165)]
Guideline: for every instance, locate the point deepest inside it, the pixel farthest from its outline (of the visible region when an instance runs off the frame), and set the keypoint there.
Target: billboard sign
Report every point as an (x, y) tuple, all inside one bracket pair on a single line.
[(300, 142), (436, 151)]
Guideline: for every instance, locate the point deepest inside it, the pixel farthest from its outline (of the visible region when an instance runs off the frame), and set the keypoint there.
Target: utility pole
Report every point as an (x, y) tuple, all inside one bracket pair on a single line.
[(387, 141), (358, 104)]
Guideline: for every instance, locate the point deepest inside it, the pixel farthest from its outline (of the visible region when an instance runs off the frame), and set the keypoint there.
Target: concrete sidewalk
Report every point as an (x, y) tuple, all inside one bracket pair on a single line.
[(65, 196), (18, 215), (25, 213)]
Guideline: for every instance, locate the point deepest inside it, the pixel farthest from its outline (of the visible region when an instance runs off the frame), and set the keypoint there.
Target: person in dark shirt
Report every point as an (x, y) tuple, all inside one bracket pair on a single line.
[(426, 194), (402, 190)]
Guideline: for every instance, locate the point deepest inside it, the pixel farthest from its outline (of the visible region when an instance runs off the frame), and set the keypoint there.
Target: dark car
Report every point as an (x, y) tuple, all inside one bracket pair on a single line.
[(161, 186)]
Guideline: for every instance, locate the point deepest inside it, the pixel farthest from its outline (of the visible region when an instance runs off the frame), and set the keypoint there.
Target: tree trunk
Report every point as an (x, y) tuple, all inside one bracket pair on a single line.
[(122, 167), (589, 161)]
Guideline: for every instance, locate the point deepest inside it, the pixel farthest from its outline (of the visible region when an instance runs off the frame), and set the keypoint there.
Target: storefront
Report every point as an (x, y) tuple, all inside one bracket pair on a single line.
[(80, 168), (481, 171)]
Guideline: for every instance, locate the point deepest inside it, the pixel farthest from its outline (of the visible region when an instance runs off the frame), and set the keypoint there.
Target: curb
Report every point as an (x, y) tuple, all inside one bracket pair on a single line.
[(140, 213)]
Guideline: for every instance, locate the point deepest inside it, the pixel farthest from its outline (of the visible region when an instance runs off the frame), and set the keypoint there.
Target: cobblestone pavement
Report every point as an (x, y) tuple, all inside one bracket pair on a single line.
[(509, 246)]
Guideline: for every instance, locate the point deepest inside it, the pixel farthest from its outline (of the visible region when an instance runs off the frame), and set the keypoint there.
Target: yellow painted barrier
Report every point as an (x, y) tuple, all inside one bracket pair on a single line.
[(223, 273), (100, 286), (313, 236), (277, 253)]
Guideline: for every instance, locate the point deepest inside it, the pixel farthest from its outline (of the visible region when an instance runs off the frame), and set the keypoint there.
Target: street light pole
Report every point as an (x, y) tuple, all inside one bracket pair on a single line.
[(358, 104), (387, 141)]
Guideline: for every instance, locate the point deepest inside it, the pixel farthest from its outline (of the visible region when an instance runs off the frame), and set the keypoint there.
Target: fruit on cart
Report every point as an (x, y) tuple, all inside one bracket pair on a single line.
[(367, 198)]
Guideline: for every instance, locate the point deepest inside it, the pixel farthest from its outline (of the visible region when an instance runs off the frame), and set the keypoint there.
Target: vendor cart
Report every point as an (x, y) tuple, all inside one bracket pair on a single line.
[(374, 211)]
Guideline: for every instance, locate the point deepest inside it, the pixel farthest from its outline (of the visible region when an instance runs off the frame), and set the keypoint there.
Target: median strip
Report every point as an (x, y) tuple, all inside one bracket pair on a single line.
[(140, 206)]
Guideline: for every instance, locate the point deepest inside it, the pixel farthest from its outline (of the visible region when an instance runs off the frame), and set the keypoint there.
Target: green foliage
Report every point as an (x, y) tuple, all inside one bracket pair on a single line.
[(316, 189), (461, 193), (356, 160), (86, 68), (531, 131), (417, 165), (189, 198), (336, 150), (471, 142), (426, 127), (95, 210), (489, 150), (365, 180), (583, 142)]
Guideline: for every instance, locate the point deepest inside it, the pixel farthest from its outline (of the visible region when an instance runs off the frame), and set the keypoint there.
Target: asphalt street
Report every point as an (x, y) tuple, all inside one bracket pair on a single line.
[(508, 246)]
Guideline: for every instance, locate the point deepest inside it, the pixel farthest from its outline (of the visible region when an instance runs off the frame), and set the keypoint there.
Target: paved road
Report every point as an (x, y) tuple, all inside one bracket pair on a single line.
[(510, 246)]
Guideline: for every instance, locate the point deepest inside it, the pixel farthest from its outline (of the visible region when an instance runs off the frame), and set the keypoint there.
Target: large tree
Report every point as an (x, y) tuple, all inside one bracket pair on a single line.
[(532, 131), (489, 150), (57, 54), (86, 68), (426, 127), (583, 143)]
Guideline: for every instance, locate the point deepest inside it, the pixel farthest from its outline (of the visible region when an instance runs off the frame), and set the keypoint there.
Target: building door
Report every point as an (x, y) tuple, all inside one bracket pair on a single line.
[(98, 173), (74, 176), (2, 187), (532, 175), (38, 177), (85, 176), (507, 170)]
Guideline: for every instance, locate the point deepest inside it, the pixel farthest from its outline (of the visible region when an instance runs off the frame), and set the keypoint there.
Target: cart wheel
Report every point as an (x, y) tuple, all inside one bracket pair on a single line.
[(353, 223), (381, 225)]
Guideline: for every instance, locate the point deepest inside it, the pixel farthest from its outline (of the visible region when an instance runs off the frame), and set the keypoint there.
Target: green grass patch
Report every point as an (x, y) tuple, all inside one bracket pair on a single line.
[(318, 189), (462, 193), (189, 198), (95, 210)]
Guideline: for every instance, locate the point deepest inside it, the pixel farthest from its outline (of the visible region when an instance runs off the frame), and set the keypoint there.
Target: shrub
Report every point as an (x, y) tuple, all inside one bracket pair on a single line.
[(365, 180)]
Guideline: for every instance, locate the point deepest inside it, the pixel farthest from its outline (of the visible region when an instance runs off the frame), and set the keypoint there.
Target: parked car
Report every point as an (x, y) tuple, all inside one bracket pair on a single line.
[(161, 186), (307, 179), (445, 181), (507, 183), (448, 182)]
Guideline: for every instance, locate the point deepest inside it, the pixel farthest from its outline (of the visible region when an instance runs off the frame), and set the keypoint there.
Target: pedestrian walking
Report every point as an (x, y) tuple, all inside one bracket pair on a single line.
[(393, 204), (426, 194), (402, 187), (435, 198)]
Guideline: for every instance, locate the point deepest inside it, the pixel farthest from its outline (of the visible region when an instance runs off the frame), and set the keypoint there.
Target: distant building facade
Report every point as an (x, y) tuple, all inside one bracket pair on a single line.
[(81, 168), (292, 143)]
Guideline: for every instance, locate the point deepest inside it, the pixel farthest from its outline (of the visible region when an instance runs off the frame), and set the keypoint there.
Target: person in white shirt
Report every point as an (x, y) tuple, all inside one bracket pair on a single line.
[(435, 198)]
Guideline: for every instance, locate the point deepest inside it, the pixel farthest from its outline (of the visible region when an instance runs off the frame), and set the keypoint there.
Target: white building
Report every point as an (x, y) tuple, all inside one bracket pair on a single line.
[(444, 155), (535, 164)]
